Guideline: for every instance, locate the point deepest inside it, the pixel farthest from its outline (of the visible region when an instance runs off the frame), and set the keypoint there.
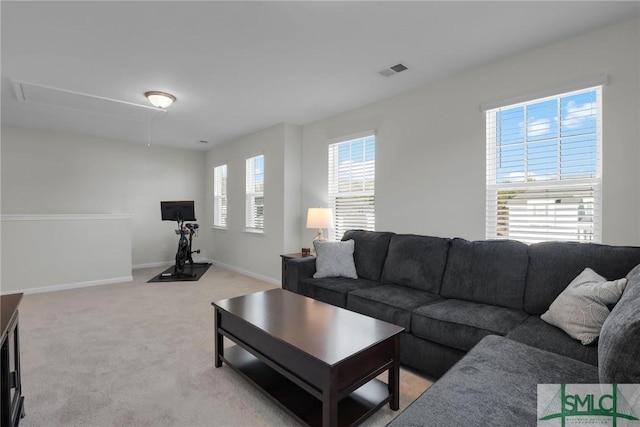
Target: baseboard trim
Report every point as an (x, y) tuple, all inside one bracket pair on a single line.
[(152, 265), (71, 285), (164, 263), (247, 273), (130, 278)]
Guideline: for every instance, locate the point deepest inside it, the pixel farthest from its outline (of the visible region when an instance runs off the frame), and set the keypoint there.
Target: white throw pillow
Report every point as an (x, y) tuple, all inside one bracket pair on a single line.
[(335, 259), (581, 309)]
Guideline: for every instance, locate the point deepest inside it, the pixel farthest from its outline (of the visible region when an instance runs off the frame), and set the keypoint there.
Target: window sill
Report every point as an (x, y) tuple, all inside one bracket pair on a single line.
[(254, 231)]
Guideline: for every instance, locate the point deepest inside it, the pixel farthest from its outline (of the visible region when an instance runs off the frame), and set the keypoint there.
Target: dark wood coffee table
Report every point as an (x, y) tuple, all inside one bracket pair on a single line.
[(317, 361)]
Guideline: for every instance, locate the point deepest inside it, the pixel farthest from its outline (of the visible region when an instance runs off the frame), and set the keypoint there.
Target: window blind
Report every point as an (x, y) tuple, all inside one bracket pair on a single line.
[(352, 185), (544, 169), (254, 214), (220, 196)]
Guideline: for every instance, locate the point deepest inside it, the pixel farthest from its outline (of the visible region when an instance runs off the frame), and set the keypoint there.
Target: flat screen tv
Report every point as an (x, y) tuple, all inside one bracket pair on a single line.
[(178, 211)]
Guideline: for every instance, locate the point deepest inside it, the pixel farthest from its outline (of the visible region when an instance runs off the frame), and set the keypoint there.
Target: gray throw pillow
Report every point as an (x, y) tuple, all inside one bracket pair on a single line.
[(619, 345), (581, 309), (335, 259)]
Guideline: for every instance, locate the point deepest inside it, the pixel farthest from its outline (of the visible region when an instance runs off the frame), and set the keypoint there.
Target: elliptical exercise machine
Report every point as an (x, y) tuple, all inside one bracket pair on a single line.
[(182, 211)]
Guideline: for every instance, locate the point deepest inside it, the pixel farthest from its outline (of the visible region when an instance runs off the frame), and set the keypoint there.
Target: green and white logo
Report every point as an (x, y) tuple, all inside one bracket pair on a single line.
[(616, 405)]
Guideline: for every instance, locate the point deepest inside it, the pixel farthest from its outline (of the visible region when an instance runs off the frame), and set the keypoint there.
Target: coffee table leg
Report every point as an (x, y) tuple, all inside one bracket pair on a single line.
[(217, 339), (394, 376), (329, 403)]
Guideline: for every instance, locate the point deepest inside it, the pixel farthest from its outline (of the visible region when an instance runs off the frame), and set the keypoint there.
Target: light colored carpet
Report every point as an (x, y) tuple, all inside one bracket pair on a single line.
[(141, 354)]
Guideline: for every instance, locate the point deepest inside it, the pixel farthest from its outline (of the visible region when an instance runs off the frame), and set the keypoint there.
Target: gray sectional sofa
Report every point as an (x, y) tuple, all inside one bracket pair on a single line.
[(477, 305)]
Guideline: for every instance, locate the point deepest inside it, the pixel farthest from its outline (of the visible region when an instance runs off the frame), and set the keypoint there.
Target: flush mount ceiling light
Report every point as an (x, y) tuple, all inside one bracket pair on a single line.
[(160, 99)]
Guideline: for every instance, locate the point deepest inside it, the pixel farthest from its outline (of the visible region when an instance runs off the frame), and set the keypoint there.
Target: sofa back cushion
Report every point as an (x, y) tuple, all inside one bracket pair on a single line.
[(487, 271), (416, 261), (370, 251), (619, 346), (553, 265)]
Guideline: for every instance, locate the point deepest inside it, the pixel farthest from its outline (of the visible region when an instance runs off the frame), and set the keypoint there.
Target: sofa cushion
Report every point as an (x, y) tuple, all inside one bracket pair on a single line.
[(429, 357), (462, 324), (553, 265), (538, 333), (619, 347), (370, 251), (581, 309), (391, 303), (490, 272), (416, 261), (332, 290), (334, 259), (495, 384)]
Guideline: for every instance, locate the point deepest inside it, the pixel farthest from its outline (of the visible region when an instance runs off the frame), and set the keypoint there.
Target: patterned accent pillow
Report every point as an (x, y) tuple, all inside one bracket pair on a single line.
[(581, 309), (335, 259)]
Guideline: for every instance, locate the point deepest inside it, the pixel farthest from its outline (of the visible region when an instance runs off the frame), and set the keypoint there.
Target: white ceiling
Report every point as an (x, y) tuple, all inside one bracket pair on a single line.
[(238, 67)]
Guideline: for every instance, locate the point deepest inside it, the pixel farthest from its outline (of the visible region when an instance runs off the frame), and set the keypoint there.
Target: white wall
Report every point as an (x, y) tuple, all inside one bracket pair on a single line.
[(51, 252), (430, 143), (56, 173), (258, 254), (293, 218)]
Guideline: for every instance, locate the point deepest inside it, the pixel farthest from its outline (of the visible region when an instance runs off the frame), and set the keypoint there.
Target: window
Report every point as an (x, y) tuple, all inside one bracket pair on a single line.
[(220, 196), (254, 219), (352, 170), (544, 169)]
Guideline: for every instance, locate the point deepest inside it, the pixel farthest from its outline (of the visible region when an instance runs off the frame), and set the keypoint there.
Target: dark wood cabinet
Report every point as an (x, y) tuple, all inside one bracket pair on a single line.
[(285, 258), (11, 400)]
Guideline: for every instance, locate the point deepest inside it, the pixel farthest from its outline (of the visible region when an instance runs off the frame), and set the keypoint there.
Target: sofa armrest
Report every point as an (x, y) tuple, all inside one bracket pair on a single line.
[(298, 269)]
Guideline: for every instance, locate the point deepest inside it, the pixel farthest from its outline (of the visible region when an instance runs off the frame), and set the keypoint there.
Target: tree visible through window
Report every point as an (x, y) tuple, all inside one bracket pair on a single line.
[(352, 185), (544, 169), (220, 196), (254, 217)]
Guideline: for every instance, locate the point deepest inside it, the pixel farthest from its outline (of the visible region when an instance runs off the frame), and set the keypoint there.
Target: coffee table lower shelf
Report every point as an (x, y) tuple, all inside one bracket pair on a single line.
[(299, 403)]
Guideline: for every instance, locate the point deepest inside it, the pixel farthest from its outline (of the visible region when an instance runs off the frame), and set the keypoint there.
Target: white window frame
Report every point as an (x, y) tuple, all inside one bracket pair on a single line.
[(358, 183), (254, 219), (220, 199), (564, 208)]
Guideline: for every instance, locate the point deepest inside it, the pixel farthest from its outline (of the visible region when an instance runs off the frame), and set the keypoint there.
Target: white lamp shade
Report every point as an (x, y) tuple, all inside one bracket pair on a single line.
[(319, 218)]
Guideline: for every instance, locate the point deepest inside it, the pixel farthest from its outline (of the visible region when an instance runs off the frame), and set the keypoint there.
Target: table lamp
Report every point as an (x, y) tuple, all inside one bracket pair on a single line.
[(319, 218)]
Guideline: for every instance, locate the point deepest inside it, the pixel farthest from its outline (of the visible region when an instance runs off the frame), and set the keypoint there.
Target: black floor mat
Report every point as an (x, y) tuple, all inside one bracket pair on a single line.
[(192, 273)]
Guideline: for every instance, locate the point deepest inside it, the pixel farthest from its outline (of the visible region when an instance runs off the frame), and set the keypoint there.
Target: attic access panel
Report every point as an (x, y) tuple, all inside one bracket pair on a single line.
[(44, 95)]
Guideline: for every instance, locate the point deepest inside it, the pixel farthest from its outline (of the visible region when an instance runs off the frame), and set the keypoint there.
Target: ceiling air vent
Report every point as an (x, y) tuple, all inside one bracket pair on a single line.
[(398, 68)]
